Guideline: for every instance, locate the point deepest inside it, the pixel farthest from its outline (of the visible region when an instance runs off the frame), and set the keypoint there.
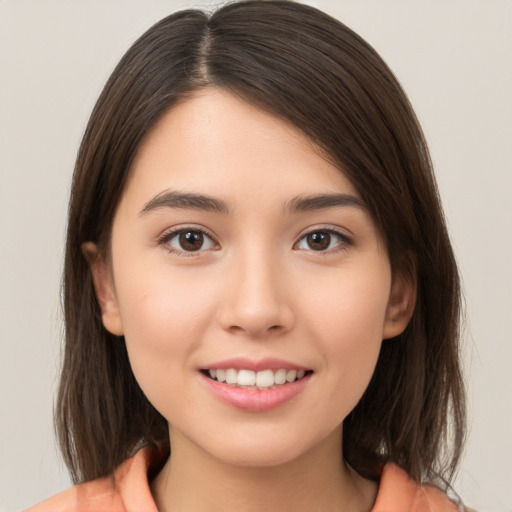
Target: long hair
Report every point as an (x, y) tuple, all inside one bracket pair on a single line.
[(308, 68)]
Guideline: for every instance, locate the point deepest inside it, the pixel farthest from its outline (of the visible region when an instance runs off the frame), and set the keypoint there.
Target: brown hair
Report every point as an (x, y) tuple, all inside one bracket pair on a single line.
[(310, 69)]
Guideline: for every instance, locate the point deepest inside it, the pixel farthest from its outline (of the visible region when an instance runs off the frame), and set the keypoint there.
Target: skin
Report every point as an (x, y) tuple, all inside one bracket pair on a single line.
[(257, 288)]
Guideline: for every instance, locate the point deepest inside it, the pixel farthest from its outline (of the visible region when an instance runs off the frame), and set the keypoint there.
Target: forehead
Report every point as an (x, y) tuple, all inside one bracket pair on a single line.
[(215, 142)]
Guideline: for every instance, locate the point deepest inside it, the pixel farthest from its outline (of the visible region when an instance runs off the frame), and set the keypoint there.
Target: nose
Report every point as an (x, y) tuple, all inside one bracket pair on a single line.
[(256, 298)]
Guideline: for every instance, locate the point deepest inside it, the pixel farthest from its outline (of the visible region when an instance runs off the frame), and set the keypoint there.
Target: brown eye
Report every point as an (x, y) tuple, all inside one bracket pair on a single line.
[(322, 240), (319, 241), (189, 240)]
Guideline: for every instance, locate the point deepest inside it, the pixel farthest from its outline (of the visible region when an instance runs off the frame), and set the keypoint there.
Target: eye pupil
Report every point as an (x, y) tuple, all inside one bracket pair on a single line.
[(319, 241), (191, 240)]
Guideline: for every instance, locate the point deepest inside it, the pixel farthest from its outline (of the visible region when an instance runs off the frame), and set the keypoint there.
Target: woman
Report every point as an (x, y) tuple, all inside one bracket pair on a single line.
[(253, 212)]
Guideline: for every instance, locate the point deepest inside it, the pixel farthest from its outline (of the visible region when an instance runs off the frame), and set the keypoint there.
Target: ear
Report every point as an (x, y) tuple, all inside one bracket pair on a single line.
[(104, 288), (402, 299)]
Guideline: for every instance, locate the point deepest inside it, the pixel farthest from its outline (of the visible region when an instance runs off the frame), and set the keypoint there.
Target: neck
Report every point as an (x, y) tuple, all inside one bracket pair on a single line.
[(193, 480)]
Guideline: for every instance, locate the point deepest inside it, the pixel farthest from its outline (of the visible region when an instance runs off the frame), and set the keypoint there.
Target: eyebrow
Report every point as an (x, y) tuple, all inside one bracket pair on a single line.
[(300, 204), (322, 201), (191, 201)]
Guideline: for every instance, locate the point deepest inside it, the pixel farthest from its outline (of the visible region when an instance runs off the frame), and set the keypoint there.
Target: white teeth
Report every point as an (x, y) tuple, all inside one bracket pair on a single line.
[(280, 377), (246, 378), (291, 375), (231, 376), (263, 379)]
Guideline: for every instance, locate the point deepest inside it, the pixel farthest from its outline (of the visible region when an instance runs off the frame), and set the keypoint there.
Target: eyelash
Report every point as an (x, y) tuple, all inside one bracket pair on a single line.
[(168, 236), (344, 240)]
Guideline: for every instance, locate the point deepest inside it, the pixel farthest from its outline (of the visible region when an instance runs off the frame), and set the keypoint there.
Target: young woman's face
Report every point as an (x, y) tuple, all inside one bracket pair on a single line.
[(237, 250)]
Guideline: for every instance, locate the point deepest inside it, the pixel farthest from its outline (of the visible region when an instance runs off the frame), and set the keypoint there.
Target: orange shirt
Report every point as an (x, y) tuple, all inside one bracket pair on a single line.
[(127, 490)]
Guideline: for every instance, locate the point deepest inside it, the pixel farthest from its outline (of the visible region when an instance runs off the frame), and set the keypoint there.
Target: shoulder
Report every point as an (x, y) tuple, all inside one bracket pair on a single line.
[(126, 490), (98, 495), (398, 493)]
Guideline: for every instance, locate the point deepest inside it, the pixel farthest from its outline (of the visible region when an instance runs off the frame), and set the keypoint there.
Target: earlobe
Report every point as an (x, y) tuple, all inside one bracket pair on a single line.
[(104, 288), (402, 300)]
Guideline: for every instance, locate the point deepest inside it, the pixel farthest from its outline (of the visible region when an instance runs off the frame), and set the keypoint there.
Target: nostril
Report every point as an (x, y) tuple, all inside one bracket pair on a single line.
[(252, 331)]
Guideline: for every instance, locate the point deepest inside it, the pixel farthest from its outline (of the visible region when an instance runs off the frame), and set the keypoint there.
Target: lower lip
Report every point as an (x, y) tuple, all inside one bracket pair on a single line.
[(256, 400)]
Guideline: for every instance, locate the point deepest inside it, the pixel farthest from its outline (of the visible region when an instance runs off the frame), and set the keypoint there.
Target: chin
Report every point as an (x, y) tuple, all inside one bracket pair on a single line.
[(257, 456), (264, 449)]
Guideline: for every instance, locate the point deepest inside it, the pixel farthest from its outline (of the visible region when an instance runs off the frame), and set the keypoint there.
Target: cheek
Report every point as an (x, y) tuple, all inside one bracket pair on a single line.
[(350, 306), (163, 316), (348, 326)]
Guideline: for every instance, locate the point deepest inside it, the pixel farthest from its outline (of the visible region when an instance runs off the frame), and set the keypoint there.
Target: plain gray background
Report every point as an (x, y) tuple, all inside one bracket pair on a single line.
[(453, 58)]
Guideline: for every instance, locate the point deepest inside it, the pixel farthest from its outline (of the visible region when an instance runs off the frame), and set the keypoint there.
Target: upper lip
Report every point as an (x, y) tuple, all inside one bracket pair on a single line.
[(241, 363)]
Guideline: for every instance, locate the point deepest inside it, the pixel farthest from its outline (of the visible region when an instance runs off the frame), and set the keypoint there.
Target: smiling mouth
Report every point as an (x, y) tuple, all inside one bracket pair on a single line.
[(249, 379)]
